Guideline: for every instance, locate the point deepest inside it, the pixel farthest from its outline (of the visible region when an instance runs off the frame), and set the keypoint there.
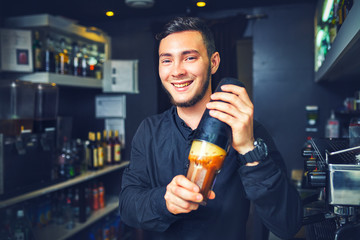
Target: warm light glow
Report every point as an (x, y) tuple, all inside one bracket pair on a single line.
[(328, 4), (109, 13), (201, 4)]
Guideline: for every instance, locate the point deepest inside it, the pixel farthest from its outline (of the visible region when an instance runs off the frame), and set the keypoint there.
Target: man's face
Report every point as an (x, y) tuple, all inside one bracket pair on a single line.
[(184, 67)]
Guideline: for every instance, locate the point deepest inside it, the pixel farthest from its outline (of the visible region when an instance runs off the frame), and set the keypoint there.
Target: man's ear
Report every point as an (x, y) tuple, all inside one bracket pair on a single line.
[(215, 62)]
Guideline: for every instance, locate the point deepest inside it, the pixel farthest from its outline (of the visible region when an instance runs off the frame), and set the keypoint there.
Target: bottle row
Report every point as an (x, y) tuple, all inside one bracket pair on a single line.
[(329, 26), (77, 156), (110, 228), (64, 208), (58, 54)]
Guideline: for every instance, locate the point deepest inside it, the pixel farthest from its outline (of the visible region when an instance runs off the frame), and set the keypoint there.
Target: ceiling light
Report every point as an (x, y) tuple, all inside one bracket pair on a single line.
[(109, 13), (139, 3), (201, 3)]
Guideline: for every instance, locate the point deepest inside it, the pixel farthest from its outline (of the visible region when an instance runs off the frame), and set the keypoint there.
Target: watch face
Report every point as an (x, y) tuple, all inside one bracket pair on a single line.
[(261, 145)]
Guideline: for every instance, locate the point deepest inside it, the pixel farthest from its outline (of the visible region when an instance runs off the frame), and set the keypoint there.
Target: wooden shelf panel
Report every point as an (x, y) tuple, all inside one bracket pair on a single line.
[(62, 80), (82, 178)]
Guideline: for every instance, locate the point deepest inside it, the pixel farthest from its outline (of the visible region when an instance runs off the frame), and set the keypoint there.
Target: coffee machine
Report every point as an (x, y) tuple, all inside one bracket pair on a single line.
[(332, 167), (28, 114)]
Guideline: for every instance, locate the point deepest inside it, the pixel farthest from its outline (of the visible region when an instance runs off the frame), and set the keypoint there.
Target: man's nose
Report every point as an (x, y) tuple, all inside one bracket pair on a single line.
[(178, 69)]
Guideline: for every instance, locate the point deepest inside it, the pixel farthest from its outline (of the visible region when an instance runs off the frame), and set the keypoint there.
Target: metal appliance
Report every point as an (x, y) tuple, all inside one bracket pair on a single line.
[(334, 169), (26, 162)]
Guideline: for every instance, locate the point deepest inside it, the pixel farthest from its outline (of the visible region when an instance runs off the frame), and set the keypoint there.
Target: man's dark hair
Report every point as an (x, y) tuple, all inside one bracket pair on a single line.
[(180, 24)]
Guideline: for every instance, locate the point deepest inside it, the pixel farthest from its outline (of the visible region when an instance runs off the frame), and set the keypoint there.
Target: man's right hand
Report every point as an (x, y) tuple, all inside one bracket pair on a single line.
[(183, 196)]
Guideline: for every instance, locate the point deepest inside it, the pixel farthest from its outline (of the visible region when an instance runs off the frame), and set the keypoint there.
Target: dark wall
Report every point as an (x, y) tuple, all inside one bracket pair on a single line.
[(134, 40), (284, 79)]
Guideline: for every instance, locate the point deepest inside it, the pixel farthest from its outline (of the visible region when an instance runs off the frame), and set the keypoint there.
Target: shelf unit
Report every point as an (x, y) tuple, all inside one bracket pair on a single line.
[(62, 80), (82, 178), (67, 28), (59, 232), (342, 60)]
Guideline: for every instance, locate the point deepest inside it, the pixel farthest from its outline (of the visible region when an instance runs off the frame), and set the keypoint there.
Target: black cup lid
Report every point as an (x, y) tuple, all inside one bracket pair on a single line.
[(213, 130)]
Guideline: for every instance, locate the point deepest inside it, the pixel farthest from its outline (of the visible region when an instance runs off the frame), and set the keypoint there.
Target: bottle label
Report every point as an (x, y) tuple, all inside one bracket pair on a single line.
[(108, 154), (95, 158), (37, 53), (101, 156), (117, 155)]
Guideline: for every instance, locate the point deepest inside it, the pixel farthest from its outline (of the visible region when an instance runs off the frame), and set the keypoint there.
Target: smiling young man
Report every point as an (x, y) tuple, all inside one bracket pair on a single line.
[(157, 197)]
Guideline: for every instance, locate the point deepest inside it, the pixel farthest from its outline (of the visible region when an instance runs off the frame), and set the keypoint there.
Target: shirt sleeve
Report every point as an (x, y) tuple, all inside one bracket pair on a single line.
[(276, 200), (140, 205)]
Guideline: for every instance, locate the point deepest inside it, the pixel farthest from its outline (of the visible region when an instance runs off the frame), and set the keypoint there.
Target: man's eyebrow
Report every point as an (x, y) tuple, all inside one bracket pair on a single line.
[(183, 53), (165, 55), (189, 52)]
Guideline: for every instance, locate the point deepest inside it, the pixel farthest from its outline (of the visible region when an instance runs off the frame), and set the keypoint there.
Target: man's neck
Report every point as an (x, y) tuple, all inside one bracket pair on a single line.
[(192, 115)]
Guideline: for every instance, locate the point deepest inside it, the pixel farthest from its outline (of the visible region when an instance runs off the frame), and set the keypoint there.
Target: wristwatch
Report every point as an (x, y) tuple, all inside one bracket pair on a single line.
[(259, 153)]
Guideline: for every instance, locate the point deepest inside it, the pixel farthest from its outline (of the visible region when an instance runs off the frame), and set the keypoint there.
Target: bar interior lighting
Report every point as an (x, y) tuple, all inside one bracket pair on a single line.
[(201, 3), (109, 13), (328, 4)]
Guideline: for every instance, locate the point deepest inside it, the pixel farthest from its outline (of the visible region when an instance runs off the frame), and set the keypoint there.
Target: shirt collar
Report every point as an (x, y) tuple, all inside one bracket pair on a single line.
[(184, 129)]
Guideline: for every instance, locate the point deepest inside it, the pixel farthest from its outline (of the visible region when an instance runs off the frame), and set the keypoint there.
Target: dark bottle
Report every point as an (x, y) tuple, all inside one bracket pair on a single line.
[(69, 211), (75, 61), (117, 147), (95, 197), (49, 55), (76, 203), (21, 229), (104, 144), (70, 169), (37, 51), (110, 149), (63, 57), (93, 152), (84, 64), (101, 191)]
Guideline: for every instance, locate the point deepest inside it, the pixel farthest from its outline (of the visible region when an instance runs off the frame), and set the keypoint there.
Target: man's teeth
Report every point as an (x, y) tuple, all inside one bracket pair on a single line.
[(179, 85)]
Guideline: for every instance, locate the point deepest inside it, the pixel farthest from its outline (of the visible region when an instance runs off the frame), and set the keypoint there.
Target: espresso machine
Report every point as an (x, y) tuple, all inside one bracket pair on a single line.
[(333, 168)]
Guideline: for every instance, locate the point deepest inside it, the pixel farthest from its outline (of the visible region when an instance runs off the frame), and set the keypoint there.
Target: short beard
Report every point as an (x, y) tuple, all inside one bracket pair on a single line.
[(196, 98)]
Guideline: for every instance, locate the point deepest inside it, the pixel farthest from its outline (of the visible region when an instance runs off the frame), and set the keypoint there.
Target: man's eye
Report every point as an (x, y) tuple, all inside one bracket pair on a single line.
[(190, 58), (164, 61)]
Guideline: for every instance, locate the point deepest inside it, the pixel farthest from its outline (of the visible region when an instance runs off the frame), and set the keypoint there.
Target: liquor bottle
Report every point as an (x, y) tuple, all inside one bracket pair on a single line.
[(104, 146), (93, 152), (332, 126), (76, 155), (69, 161), (84, 65), (37, 51), (95, 197), (92, 61), (21, 227), (76, 203), (6, 222), (110, 149), (49, 57), (117, 147), (62, 161), (63, 57), (100, 151), (68, 211), (75, 63), (101, 192), (99, 67)]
